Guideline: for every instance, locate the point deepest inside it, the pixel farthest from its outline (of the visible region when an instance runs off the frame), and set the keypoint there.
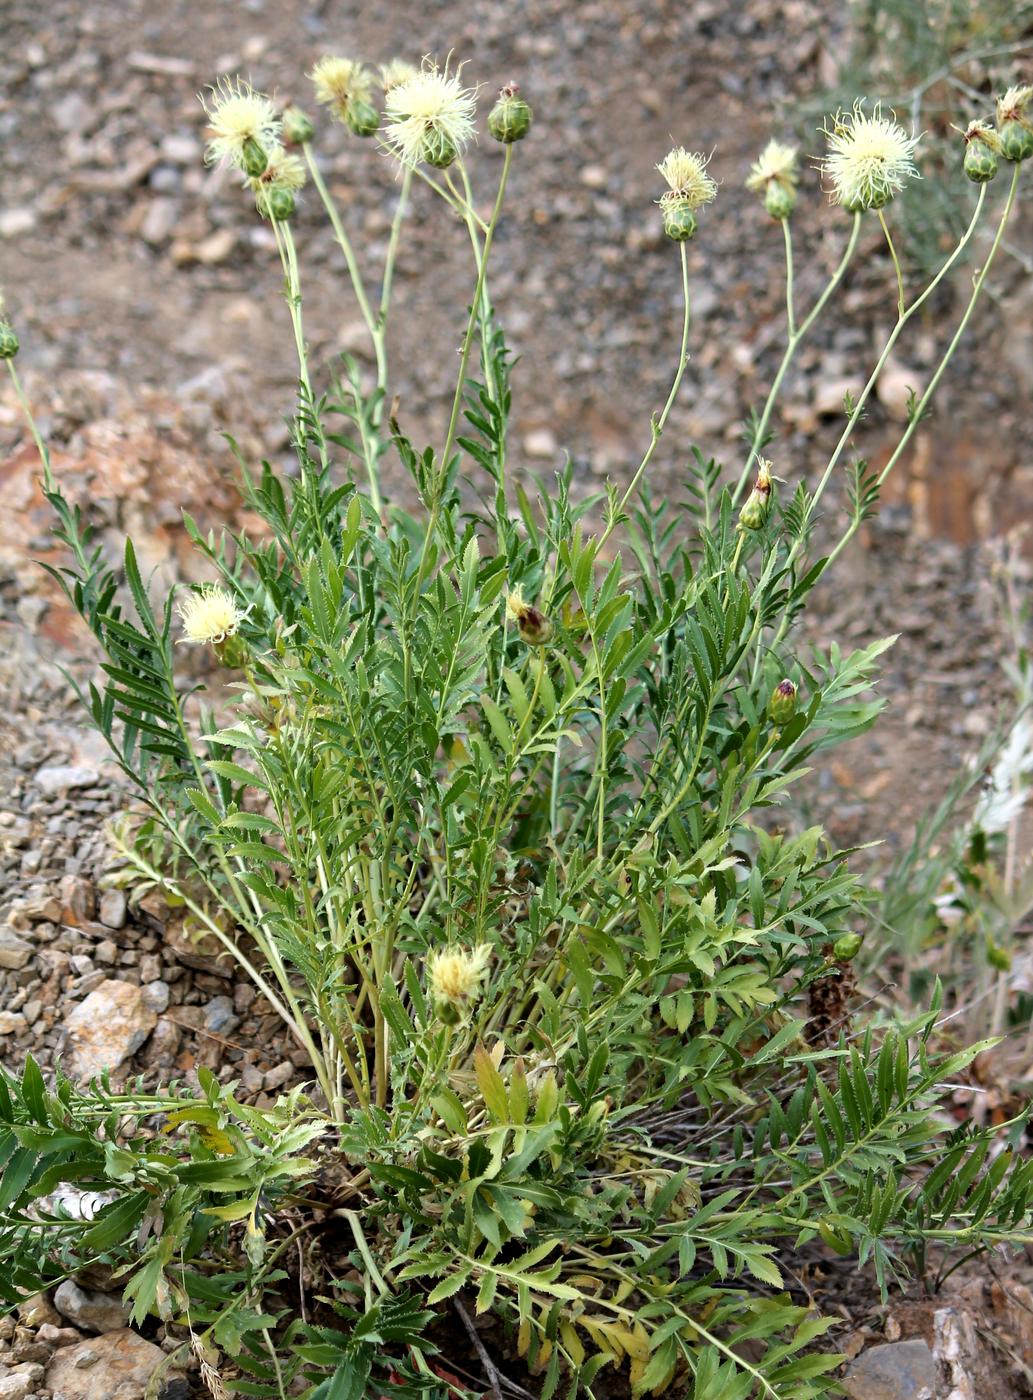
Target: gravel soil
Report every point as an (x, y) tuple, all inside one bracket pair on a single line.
[(147, 296)]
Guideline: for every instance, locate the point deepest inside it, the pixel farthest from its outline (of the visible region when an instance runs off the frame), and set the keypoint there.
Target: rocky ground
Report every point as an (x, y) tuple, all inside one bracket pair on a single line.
[(147, 298)]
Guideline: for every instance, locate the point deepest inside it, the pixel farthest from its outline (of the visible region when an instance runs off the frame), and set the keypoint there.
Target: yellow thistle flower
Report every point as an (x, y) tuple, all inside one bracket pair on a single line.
[(870, 158), (455, 976), (395, 71), (1011, 105), (687, 178), (341, 83), (241, 120), (776, 163), (430, 116), (279, 182), (209, 615)]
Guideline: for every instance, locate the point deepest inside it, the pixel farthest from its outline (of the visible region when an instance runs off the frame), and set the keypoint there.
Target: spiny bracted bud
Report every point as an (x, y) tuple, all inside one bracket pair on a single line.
[(982, 145), (847, 946), (775, 173), (1014, 124), (232, 652), (779, 200), (439, 150), (1016, 141), (510, 119), (782, 705), (280, 205), (999, 958), (362, 117), (680, 222), (297, 126), (254, 158), (758, 502), (534, 627), (8, 341)]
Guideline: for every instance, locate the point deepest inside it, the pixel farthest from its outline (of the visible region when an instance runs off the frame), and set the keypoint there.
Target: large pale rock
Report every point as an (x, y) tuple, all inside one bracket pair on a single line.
[(896, 1371), (107, 1027), (14, 951), (117, 1366), (93, 1312)]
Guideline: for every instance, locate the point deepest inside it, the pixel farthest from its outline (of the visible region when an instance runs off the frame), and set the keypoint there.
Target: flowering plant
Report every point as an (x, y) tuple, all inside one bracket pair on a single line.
[(489, 826)]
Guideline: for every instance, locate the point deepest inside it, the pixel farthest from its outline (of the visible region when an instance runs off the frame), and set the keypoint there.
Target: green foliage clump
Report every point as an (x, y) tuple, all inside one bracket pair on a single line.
[(498, 818)]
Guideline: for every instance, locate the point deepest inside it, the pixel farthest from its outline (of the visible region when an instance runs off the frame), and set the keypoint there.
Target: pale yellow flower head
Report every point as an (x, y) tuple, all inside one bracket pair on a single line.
[(687, 179), (341, 82), (210, 615), (395, 71), (776, 163), (428, 115), (284, 173), (236, 115), (870, 158), (1011, 105), (455, 976)]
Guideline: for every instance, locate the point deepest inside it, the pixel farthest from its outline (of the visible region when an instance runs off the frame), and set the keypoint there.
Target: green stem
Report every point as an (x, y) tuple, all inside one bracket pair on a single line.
[(896, 263), (464, 361), (795, 337), (659, 423), (790, 313), (44, 455)]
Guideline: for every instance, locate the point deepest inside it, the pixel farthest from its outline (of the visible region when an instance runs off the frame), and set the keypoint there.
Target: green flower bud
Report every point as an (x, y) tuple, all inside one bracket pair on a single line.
[(847, 946), (779, 199), (8, 341), (279, 204), (232, 652), (448, 1013), (297, 126), (980, 162), (758, 502), (782, 705), (438, 150), (362, 117), (534, 627), (999, 958), (680, 222), (1016, 141), (254, 157), (510, 119)]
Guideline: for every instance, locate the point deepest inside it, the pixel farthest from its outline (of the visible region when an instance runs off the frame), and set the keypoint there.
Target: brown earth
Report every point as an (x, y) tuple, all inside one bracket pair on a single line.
[(147, 298)]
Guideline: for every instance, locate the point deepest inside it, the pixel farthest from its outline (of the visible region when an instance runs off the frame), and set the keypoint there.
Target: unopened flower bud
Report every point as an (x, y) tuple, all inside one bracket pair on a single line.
[(1014, 124), (510, 119), (779, 200), (1016, 141), (534, 627), (8, 341), (758, 502), (279, 205), (782, 705), (847, 946), (362, 117), (438, 149), (980, 162), (680, 222), (254, 157), (232, 652), (999, 958), (297, 126)]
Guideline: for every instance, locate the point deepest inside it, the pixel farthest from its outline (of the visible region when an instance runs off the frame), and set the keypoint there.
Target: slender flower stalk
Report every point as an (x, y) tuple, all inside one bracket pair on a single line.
[(796, 335)]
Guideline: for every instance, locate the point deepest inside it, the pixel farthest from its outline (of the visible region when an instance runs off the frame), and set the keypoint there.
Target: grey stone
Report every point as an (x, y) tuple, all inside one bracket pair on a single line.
[(14, 951), (93, 1312), (16, 1386), (11, 1022), (107, 1027), (219, 1017), (117, 1366), (113, 908), (895, 1371), (59, 777)]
